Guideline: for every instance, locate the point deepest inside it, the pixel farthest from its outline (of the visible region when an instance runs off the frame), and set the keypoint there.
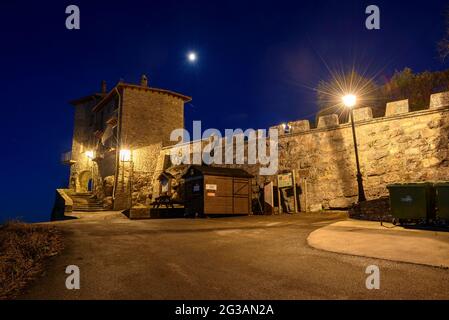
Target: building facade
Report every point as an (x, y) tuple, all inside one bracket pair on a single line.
[(117, 137)]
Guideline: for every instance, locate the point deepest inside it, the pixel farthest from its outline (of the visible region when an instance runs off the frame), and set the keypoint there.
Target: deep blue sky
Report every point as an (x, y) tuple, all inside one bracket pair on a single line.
[(256, 62)]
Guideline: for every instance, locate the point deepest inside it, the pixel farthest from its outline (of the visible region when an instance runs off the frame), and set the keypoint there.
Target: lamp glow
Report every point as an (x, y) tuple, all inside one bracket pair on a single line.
[(125, 155), (349, 100), (90, 154)]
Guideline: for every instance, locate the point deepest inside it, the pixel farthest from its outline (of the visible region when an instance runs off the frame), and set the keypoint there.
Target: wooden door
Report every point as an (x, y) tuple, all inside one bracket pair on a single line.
[(241, 196)]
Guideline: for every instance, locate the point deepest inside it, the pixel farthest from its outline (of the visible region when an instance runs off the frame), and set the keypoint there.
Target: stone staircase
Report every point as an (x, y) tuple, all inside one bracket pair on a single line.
[(86, 202)]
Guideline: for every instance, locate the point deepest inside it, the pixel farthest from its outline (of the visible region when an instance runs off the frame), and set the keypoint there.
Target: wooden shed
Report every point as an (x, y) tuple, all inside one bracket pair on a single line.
[(214, 190)]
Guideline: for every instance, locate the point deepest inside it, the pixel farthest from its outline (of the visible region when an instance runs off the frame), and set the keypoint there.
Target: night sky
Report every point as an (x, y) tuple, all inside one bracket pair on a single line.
[(258, 63)]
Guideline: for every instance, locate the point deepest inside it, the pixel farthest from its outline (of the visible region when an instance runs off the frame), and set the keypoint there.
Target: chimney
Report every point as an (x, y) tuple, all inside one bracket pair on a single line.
[(104, 87), (144, 81)]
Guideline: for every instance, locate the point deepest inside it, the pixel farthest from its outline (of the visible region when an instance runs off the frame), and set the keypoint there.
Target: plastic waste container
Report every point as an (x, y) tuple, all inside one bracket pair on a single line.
[(442, 200), (412, 201)]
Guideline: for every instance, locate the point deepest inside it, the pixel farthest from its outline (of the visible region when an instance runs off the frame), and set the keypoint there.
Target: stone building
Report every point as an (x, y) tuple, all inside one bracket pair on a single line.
[(121, 145), (117, 137)]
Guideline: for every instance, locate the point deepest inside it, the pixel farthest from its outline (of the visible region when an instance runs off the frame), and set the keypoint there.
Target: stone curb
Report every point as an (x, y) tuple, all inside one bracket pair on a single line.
[(369, 239)]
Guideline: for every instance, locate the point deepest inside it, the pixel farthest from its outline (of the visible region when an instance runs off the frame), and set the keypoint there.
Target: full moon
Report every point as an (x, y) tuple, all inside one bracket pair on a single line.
[(192, 56)]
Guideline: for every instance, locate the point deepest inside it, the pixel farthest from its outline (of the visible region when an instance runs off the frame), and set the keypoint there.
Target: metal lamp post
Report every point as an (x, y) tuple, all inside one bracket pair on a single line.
[(350, 101), (126, 157)]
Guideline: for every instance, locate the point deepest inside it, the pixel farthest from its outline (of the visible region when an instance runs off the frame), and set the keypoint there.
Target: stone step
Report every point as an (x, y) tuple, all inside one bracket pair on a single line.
[(83, 198), (89, 206), (87, 202), (84, 206), (89, 210)]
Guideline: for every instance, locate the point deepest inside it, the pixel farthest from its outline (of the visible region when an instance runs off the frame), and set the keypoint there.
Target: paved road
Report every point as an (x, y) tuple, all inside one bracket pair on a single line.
[(226, 258)]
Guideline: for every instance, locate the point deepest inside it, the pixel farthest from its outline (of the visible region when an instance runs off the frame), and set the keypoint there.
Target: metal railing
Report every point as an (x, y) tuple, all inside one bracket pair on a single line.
[(66, 158)]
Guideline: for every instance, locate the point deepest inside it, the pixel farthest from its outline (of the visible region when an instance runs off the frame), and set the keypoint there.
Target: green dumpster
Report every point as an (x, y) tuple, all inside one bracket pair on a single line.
[(412, 201), (442, 199)]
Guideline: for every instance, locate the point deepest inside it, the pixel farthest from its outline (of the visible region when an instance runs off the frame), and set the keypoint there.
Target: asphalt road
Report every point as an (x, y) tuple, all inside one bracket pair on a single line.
[(228, 258)]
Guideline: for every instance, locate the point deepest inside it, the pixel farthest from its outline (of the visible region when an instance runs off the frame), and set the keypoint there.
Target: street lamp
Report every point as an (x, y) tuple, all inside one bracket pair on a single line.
[(350, 101)]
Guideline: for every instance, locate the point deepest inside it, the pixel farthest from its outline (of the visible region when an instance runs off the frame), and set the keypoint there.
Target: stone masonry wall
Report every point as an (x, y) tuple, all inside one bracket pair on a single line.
[(148, 118), (80, 143), (400, 147)]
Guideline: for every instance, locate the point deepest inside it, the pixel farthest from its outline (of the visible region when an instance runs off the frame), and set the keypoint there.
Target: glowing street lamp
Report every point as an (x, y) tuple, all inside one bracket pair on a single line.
[(350, 101)]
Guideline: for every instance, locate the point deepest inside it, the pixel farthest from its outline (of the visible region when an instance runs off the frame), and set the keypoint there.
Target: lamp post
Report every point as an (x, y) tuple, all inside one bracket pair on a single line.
[(350, 101), (126, 156)]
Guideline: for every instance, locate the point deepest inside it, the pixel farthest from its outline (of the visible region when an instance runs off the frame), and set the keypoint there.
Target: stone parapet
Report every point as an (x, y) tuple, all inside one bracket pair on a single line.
[(439, 100), (328, 121), (397, 107), (362, 114), (299, 126)]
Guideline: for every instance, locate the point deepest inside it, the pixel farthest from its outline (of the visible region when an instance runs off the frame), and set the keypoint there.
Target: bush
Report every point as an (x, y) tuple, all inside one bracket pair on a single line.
[(23, 248)]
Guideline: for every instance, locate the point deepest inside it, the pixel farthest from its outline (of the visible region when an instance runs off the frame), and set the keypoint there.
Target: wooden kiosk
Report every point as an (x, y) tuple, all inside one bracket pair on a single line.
[(215, 190)]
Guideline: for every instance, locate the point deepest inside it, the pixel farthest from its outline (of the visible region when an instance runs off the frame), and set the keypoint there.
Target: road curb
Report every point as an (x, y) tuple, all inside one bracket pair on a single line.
[(365, 239)]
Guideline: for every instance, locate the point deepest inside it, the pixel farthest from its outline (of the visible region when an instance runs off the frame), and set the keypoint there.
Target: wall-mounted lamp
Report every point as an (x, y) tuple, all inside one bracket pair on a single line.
[(90, 154), (125, 155), (286, 127)]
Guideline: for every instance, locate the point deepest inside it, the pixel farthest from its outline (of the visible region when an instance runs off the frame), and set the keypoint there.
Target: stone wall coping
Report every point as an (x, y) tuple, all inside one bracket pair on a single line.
[(397, 107), (371, 121), (362, 114), (439, 100), (191, 143), (328, 121), (342, 125)]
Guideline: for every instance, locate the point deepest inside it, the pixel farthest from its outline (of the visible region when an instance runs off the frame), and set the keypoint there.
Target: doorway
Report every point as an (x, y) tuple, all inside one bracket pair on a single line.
[(85, 182)]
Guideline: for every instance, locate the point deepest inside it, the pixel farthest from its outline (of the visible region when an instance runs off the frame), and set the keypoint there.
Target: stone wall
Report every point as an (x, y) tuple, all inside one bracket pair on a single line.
[(400, 147), (82, 133), (373, 210), (148, 118)]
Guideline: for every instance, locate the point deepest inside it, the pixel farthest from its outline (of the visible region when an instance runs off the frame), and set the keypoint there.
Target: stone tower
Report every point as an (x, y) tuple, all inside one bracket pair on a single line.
[(117, 137)]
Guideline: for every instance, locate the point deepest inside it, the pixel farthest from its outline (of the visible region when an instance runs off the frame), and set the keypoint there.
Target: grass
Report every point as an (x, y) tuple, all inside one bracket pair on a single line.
[(23, 251)]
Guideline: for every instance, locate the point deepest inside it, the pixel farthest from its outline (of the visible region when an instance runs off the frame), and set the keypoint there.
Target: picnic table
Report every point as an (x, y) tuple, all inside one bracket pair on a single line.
[(163, 200)]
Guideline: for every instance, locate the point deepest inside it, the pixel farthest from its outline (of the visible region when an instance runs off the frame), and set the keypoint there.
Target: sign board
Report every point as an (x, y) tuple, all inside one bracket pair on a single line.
[(285, 180), (164, 186), (211, 187), (196, 188)]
